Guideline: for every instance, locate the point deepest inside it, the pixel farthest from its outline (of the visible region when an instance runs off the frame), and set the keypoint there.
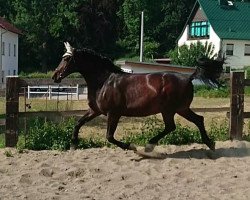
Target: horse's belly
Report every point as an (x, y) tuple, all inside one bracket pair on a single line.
[(137, 109)]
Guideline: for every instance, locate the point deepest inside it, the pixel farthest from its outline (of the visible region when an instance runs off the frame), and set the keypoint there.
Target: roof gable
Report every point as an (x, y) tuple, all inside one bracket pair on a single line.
[(228, 21), (8, 26)]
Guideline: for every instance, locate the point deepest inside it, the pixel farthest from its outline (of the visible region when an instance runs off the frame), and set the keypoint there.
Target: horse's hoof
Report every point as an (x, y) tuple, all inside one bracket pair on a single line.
[(211, 145), (132, 147), (73, 147), (149, 147)]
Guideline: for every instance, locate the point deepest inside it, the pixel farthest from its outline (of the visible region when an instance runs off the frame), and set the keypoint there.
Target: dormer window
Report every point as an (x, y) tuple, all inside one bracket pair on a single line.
[(199, 29)]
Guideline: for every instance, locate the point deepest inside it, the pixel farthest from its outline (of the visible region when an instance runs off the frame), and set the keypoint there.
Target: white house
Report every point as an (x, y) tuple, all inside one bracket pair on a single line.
[(9, 50), (225, 24)]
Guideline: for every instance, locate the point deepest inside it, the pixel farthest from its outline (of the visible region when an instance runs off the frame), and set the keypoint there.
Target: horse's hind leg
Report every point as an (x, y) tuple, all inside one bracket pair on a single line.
[(86, 118), (112, 125), (199, 122), (169, 127)]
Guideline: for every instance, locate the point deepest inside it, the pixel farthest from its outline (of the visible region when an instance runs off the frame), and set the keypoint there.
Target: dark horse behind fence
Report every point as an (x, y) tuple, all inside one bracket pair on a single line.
[(114, 93)]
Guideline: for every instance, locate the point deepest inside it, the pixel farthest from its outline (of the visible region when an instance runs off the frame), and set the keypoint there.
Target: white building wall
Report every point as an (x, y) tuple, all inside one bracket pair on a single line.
[(9, 61), (238, 59)]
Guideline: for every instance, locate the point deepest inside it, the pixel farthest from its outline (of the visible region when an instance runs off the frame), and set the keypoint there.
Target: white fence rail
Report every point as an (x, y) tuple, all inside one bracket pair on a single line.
[(51, 90)]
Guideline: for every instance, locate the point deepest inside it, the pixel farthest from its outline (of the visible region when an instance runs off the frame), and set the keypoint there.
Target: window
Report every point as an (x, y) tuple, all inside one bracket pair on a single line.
[(14, 50), (14, 72), (230, 49), (199, 29), (247, 50), (8, 72), (9, 49), (3, 48)]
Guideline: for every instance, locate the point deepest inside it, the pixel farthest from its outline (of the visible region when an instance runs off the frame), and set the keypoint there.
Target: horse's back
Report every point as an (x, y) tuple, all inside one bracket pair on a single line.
[(144, 94)]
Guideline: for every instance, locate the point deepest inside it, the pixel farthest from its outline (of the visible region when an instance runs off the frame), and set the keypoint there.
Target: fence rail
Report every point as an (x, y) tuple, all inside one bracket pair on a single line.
[(49, 90)]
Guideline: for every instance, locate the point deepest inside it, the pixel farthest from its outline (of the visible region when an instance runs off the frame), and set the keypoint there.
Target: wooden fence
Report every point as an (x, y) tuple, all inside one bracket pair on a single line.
[(13, 85)]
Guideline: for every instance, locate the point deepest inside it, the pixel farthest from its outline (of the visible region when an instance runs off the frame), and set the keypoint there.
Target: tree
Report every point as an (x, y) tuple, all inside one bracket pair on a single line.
[(6, 8), (163, 22), (108, 26), (98, 24), (45, 23), (49, 23)]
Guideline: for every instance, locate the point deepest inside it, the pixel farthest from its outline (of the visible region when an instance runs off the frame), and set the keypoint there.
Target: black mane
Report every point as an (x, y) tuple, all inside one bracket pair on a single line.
[(100, 60)]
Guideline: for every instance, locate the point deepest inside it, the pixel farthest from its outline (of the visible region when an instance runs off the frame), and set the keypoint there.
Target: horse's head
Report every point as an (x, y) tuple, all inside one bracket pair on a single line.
[(66, 65)]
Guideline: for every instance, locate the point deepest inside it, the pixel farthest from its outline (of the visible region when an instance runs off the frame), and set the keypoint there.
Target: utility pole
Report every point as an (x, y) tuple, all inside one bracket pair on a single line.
[(142, 34)]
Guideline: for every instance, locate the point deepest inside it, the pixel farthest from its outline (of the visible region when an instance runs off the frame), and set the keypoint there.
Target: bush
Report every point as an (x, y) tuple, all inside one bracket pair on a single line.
[(47, 135), (52, 136), (247, 70), (182, 135), (187, 55), (209, 92), (2, 141), (45, 75)]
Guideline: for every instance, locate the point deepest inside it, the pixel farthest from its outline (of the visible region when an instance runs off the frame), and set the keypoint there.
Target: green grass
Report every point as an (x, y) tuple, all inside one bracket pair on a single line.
[(45, 75), (45, 135), (2, 141)]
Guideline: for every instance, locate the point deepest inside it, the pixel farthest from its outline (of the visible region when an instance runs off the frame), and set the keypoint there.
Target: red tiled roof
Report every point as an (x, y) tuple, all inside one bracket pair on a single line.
[(8, 26)]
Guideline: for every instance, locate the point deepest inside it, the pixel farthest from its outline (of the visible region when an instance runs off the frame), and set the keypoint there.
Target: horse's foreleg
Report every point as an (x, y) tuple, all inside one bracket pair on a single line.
[(112, 125), (199, 122), (86, 118), (169, 127)]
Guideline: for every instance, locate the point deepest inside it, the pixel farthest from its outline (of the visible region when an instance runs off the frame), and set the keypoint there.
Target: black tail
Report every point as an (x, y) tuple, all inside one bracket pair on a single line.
[(208, 70)]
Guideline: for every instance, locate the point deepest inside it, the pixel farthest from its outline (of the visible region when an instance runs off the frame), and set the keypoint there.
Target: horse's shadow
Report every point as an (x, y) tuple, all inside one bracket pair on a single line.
[(233, 152)]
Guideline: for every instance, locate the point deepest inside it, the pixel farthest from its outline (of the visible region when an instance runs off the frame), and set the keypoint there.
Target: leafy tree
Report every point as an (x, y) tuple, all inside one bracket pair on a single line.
[(6, 8), (45, 23), (98, 27), (187, 55), (48, 23), (163, 22), (175, 16), (95, 24)]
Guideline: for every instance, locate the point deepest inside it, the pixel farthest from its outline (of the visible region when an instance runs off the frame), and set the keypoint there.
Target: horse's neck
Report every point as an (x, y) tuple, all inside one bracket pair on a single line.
[(96, 80)]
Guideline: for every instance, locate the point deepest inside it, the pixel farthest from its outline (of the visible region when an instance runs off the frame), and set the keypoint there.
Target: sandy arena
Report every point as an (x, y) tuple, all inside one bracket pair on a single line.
[(186, 172)]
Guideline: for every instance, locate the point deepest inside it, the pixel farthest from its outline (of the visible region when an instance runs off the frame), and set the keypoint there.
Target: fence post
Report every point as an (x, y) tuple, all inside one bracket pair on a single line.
[(12, 108), (28, 92), (77, 91), (50, 92), (236, 105)]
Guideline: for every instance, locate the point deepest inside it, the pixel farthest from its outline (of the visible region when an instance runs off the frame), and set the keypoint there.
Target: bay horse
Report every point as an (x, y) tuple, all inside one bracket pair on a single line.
[(115, 93)]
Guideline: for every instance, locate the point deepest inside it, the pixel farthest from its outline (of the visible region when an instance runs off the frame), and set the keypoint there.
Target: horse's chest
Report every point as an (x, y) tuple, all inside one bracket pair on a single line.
[(109, 98)]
